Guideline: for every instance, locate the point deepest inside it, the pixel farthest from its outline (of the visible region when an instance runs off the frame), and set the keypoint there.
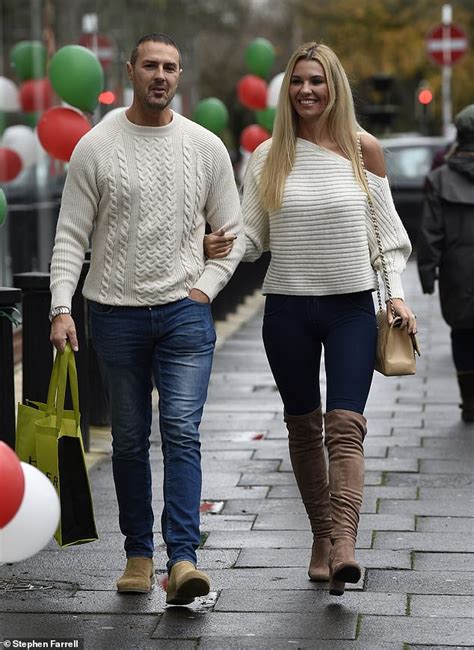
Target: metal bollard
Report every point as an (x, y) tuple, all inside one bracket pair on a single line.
[(37, 352), (37, 355), (8, 299)]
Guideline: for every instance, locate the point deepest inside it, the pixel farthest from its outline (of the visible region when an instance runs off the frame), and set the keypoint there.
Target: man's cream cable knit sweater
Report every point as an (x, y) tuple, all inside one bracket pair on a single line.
[(322, 239), (142, 196)]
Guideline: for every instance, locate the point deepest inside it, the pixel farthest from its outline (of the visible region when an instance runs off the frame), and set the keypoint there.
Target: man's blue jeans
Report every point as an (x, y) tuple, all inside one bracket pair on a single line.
[(175, 344)]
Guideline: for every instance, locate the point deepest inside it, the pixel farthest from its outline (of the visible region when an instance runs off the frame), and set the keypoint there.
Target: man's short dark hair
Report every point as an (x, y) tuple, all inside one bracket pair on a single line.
[(156, 37)]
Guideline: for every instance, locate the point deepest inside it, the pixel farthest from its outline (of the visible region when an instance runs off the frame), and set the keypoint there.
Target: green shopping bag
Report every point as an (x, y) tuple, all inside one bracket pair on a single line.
[(27, 416), (60, 454)]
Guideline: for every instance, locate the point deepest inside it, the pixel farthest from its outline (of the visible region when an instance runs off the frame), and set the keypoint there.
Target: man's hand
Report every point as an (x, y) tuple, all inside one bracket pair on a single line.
[(63, 329), (198, 296), (218, 245)]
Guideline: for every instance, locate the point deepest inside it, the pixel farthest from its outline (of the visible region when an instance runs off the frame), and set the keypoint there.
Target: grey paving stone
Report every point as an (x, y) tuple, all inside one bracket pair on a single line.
[(442, 606), (400, 440), (177, 623), (280, 489), (287, 521), (436, 508), (442, 542), (283, 506), (269, 478), (447, 467), (443, 561), (226, 522), (222, 493), (430, 453), (391, 464), (371, 492), (445, 524), (255, 557), (218, 643), (464, 443), (438, 647), (430, 631), (420, 582), (99, 631), (272, 539), (429, 480), (232, 600), (452, 495)]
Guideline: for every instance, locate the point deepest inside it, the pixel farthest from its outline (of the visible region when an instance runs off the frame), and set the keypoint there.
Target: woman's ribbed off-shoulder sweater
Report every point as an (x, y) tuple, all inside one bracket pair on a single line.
[(322, 239)]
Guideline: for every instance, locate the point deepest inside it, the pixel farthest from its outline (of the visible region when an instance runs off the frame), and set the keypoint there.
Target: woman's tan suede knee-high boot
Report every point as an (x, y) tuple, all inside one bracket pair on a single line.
[(345, 433), (305, 439)]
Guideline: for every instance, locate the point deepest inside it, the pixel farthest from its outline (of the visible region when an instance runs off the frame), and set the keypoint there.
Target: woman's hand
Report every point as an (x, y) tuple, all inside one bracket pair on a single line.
[(218, 245), (405, 313)]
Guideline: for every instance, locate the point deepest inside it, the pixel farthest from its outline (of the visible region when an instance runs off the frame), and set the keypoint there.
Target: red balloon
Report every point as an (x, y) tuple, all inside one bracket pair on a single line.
[(60, 129), (252, 92), (12, 484), (252, 136), (10, 164), (36, 95)]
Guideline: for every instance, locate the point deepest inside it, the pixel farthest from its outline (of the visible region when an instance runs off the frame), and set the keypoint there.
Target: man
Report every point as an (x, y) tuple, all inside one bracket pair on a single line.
[(142, 185), (446, 250)]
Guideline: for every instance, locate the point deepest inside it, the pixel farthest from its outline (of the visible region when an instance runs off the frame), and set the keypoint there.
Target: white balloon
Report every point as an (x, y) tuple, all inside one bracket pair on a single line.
[(9, 101), (36, 521), (23, 140), (274, 89)]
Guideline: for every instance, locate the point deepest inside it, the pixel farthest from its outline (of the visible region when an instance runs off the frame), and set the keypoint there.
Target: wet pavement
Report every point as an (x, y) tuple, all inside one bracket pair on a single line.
[(415, 540)]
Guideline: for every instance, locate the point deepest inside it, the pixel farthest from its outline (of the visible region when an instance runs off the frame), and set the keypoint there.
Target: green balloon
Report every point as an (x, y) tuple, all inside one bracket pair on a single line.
[(3, 207), (29, 60), (77, 76), (212, 114), (259, 57), (266, 117)]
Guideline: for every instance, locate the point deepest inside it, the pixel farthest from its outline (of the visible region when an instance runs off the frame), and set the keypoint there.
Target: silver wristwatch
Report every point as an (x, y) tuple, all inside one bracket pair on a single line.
[(56, 311)]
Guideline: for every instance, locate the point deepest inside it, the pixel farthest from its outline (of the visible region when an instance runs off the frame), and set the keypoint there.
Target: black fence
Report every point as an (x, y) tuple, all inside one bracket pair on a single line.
[(32, 290)]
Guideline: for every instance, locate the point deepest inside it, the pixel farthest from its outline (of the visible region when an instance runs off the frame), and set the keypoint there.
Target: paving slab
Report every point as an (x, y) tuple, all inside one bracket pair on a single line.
[(99, 631), (272, 539), (442, 542), (429, 631), (445, 524), (367, 521), (429, 480), (255, 557), (283, 506), (442, 606), (443, 561), (233, 600), (260, 643), (421, 582), (177, 624), (435, 508)]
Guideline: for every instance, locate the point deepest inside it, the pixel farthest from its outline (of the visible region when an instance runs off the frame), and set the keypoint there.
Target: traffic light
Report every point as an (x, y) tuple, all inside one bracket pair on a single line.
[(423, 104), (425, 96)]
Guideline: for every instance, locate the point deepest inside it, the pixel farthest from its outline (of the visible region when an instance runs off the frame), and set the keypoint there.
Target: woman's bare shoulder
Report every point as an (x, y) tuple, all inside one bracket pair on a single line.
[(373, 154)]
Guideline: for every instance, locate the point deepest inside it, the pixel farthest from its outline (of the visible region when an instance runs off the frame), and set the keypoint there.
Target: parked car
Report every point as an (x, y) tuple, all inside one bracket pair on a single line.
[(409, 159)]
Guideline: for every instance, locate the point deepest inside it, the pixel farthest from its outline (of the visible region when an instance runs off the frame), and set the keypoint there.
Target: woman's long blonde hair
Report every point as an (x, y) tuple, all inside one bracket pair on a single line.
[(339, 116)]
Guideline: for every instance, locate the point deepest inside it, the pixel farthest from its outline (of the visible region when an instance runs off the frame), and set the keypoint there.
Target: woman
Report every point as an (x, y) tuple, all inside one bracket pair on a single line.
[(305, 200), (446, 242)]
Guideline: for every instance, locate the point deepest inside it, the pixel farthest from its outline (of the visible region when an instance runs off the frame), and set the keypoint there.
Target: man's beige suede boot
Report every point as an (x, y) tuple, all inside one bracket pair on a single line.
[(186, 583), (139, 576)]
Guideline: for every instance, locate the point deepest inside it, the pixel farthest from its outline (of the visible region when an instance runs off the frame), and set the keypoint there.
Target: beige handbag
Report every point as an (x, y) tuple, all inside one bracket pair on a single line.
[(396, 349)]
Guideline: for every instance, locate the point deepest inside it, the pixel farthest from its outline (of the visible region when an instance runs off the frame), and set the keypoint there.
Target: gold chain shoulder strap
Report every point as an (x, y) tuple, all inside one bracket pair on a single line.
[(377, 237)]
